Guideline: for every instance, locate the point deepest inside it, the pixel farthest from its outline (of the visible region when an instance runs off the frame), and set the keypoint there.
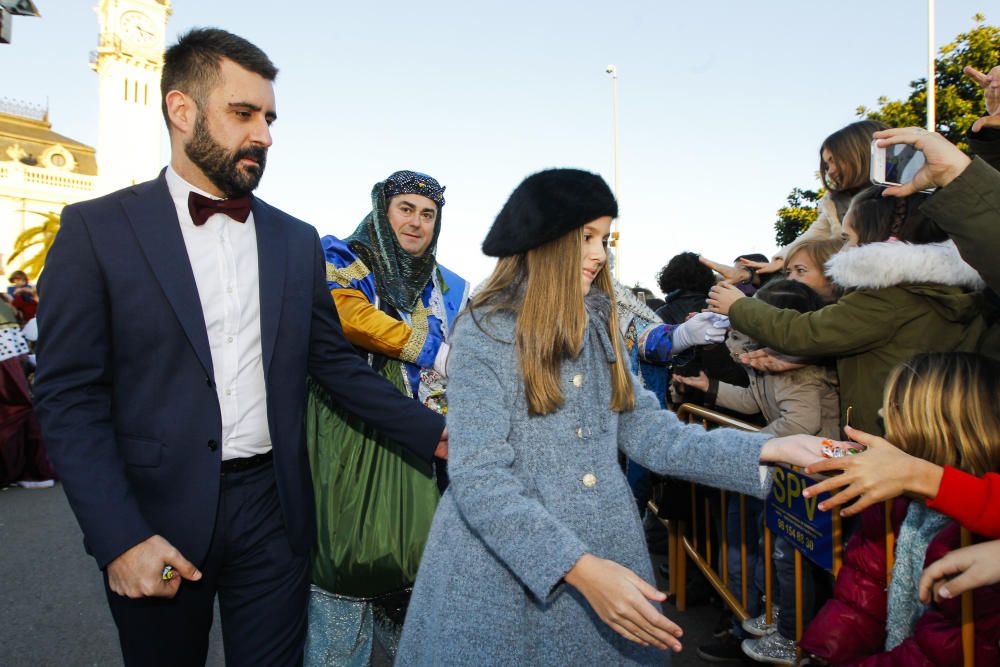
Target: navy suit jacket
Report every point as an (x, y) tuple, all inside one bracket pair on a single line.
[(125, 387)]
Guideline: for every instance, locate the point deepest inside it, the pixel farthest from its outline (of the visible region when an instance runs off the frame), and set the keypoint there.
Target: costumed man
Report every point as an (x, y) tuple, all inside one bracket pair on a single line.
[(374, 499)]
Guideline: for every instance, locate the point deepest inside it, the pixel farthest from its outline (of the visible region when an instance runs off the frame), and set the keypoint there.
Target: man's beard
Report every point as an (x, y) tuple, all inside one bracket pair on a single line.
[(222, 167)]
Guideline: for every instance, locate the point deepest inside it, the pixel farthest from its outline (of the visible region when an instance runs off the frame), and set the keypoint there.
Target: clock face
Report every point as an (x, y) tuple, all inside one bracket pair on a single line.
[(138, 28)]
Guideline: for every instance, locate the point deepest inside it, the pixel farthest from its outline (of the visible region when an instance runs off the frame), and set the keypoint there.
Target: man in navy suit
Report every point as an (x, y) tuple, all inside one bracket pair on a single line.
[(179, 320)]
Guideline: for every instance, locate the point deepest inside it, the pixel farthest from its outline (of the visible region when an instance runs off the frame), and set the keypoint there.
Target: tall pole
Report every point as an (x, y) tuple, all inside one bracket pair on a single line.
[(931, 78), (615, 237)]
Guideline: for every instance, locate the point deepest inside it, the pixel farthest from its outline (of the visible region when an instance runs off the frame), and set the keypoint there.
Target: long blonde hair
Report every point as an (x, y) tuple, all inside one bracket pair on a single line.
[(542, 286), (942, 407)]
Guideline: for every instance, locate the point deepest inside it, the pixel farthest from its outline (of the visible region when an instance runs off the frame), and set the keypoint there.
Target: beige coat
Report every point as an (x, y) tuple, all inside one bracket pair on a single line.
[(804, 400), (827, 226)]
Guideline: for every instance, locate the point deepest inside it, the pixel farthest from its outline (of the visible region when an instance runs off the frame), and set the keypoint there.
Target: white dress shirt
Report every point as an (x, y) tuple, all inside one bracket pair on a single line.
[(223, 254)]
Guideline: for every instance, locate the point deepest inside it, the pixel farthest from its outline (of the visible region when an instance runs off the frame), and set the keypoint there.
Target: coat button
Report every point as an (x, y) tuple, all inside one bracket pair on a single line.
[(213, 445), (577, 380), (579, 432), (208, 381), (589, 480)]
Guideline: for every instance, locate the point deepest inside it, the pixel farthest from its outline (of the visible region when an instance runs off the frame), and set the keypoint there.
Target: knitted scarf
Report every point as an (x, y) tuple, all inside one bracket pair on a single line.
[(919, 528)]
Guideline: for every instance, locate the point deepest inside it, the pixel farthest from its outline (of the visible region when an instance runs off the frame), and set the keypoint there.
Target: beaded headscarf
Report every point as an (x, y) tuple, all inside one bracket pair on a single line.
[(399, 276)]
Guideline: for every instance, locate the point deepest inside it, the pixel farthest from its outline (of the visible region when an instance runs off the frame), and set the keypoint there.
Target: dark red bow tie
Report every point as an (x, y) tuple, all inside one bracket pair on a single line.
[(202, 207)]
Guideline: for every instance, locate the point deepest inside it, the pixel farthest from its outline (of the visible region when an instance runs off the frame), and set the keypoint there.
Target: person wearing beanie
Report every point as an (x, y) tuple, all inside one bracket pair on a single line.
[(536, 554), (374, 499)]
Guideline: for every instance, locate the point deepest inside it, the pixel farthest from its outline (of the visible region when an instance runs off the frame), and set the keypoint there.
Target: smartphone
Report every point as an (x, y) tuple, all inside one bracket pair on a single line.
[(896, 164)]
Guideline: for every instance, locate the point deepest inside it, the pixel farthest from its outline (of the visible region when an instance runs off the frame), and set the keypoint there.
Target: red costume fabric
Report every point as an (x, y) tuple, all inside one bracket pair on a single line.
[(22, 456)]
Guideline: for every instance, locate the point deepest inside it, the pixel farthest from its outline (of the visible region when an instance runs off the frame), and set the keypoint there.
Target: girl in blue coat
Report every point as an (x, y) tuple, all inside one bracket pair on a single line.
[(536, 554)]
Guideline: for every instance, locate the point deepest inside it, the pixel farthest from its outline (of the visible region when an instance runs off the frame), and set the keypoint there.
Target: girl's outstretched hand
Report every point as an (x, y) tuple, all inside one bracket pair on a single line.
[(879, 473), (621, 598), (796, 450)]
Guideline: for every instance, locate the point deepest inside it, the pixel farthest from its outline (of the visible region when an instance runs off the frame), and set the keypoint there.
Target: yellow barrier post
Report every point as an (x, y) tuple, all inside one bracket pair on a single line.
[(968, 626)]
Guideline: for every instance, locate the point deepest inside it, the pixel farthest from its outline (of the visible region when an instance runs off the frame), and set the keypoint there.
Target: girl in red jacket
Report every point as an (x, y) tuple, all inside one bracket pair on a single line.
[(942, 408)]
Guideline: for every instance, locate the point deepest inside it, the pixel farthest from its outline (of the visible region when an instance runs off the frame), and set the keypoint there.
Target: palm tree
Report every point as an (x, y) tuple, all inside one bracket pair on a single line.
[(34, 243)]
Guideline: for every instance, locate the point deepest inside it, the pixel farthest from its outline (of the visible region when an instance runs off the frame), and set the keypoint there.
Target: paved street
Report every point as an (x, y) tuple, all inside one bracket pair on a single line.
[(52, 605)]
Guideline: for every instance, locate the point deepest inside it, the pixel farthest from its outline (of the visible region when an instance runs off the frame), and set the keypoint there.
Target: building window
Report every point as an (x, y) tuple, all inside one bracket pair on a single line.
[(145, 94), (126, 90), (135, 98)]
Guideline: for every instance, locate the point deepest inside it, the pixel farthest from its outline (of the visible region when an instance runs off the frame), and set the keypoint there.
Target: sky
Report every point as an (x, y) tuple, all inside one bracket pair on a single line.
[(722, 105)]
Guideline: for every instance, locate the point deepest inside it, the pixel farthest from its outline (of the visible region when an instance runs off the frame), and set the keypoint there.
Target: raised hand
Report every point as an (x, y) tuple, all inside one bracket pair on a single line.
[(944, 161), (796, 450), (766, 359), (990, 84), (722, 297), (139, 572), (775, 265), (621, 598), (733, 274)]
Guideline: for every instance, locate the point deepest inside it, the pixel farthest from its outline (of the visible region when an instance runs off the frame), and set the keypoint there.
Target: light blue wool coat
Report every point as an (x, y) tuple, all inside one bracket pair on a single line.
[(529, 495)]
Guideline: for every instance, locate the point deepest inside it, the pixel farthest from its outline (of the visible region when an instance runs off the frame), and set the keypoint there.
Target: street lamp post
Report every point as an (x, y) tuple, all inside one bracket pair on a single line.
[(931, 78), (615, 237)]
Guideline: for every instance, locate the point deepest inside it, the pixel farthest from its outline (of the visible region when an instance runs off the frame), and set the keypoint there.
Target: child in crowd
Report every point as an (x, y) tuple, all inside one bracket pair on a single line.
[(803, 400), (21, 295), (942, 408)]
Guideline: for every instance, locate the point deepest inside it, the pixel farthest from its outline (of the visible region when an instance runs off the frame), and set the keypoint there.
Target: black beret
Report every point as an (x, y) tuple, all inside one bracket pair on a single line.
[(545, 206)]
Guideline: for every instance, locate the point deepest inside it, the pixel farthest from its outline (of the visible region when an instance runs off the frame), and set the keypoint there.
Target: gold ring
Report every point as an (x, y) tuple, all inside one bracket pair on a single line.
[(168, 573)]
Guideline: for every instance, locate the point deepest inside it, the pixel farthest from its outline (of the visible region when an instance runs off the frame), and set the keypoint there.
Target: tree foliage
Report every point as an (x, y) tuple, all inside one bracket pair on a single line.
[(958, 103), (32, 245), (958, 99), (797, 215)]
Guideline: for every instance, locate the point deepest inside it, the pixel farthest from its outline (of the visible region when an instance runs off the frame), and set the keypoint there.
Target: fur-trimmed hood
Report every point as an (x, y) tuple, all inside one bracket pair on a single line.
[(891, 263)]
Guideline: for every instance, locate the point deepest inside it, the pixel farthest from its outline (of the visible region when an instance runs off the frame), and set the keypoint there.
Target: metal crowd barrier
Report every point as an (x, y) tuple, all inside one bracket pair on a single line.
[(686, 539)]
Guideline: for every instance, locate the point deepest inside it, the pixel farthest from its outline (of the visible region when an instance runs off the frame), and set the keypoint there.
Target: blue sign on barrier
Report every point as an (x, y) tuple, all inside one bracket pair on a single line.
[(798, 519)]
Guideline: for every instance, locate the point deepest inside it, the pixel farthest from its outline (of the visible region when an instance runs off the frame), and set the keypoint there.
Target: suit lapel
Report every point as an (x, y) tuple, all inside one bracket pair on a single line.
[(271, 256), (154, 219)]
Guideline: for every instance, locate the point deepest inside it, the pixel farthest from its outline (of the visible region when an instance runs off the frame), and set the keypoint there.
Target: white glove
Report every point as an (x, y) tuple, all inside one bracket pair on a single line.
[(702, 329)]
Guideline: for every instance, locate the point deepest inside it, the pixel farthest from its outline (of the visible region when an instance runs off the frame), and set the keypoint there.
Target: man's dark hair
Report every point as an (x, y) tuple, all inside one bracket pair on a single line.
[(685, 272), (192, 64)]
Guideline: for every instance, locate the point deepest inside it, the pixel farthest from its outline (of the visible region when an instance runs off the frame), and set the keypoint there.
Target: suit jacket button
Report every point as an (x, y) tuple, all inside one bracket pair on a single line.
[(213, 445), (589, 480), (208, 381)]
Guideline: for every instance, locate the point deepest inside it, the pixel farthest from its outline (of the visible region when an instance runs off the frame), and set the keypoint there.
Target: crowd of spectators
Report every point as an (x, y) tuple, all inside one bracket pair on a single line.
[(879, 325)]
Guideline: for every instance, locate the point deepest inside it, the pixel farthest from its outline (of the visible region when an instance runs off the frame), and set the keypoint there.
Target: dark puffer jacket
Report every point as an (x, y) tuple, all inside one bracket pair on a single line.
[(850, 628)]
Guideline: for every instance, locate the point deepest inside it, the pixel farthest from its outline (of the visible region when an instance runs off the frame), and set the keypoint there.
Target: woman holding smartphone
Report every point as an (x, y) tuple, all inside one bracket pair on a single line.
[(536, 554)]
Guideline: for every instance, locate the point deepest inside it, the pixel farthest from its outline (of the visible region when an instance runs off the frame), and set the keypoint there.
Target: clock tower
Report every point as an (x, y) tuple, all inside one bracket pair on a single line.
[(128, 63)]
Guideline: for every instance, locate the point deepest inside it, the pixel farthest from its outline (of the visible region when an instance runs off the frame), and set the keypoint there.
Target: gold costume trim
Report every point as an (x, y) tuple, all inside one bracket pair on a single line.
[(418, 323), (356, 270)]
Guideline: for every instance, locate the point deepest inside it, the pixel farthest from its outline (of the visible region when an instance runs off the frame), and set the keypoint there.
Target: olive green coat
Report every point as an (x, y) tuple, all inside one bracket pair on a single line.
[(968, 209), (900, 300)]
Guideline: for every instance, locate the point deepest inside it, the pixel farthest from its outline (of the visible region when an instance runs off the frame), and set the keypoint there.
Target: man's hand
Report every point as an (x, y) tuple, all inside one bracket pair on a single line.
[(944, 161), (138, 573), (621, 598), (961, 570), (879, 473), (442, 449), (766, 359), (990, 84), (722, 297)]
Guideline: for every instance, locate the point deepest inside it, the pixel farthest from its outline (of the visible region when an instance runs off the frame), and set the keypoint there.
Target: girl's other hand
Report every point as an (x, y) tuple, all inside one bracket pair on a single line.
[(621, 598), (961, 570)]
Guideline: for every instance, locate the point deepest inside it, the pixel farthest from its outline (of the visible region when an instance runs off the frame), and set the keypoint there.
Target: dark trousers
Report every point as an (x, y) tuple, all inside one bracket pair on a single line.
[(263, 590)]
